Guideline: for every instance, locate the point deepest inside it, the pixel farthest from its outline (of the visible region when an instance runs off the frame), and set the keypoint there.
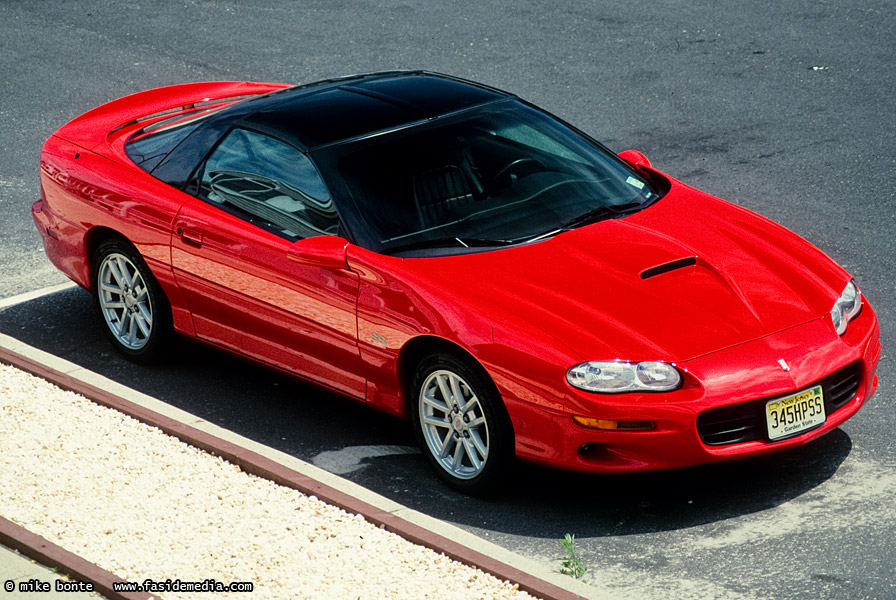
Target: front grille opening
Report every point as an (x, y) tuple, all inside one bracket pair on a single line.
[(745, 422), (731, 424)]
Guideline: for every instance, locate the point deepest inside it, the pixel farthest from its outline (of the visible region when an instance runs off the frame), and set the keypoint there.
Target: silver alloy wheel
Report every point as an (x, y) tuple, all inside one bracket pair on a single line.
[(454, 424), (124, 301)]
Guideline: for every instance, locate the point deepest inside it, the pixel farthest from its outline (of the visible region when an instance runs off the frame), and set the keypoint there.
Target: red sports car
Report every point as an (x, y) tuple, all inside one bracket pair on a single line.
[(448, 253)]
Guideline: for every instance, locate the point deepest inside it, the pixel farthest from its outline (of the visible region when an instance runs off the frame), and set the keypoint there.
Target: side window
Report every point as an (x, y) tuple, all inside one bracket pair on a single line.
[(269, 184)]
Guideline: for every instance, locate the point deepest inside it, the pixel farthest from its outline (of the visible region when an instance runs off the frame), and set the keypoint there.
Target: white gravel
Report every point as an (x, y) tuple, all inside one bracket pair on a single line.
[(145, 505)]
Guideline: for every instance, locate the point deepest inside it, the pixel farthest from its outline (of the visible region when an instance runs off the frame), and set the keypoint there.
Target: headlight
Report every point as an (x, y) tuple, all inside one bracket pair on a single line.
[(847, 306), (613, 377)]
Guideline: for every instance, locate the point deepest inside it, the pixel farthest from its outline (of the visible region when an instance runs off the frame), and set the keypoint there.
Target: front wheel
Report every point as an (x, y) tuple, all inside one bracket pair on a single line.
[(461, 423), (129, 301)]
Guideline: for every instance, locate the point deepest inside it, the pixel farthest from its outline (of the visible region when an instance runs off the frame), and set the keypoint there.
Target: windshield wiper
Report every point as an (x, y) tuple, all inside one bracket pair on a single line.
[(603, 212), (447, 242)]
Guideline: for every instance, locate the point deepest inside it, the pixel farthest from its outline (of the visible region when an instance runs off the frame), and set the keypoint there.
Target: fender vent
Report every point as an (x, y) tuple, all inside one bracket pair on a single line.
[(670, 266)]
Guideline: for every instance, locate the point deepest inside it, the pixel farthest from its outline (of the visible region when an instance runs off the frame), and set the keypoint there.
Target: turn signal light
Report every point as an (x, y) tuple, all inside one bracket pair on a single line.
[(609, 425)]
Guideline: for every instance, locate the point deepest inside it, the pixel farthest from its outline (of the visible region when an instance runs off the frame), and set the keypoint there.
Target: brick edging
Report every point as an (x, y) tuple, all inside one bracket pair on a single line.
[(51, 555)]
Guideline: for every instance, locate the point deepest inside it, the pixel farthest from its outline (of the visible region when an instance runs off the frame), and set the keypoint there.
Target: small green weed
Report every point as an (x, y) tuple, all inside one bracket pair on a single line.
[(571, 564)]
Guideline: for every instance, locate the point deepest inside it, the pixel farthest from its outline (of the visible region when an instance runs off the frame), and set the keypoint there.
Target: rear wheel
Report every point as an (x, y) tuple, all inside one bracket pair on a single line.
[(461, 423), (129, 301)]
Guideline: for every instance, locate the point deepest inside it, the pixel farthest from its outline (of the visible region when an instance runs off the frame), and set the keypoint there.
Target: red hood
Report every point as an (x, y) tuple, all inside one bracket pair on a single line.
[(750, 278)]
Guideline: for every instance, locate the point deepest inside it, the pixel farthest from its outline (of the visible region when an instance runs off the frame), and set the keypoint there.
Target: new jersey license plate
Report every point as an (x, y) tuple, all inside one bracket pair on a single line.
[(794, 414)]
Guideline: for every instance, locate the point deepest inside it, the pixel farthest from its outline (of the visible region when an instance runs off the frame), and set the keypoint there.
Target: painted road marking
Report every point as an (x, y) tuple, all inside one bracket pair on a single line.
[(351, 458), (33, 295)]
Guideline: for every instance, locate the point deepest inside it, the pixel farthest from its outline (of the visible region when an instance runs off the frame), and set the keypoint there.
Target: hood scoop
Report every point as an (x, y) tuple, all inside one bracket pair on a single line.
[(669, 266)]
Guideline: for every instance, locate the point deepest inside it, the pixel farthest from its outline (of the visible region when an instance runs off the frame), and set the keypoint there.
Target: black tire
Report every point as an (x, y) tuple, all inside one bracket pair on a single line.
[(469, 441), (129, 301)]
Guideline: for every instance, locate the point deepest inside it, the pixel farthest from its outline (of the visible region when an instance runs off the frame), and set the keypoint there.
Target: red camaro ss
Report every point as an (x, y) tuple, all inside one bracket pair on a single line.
[(451, 254)]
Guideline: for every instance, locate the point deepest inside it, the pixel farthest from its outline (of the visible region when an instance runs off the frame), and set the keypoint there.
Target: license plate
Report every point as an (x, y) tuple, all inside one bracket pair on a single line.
[(794, 414)]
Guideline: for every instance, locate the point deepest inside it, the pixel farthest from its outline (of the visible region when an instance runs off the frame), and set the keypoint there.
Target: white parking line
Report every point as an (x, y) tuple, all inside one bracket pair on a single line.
[(27, 296), (352, 458)]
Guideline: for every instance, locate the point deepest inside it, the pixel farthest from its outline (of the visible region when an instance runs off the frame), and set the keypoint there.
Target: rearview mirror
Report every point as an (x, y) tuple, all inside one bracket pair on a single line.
[(634, 158), (320, 251)]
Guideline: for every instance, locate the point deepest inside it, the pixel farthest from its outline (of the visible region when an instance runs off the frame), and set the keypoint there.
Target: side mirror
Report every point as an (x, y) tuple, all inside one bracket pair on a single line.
[(634, 158), (320, 251)]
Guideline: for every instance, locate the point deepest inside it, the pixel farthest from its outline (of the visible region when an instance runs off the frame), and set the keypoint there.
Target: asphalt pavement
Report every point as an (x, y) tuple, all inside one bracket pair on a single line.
[(785, 108)]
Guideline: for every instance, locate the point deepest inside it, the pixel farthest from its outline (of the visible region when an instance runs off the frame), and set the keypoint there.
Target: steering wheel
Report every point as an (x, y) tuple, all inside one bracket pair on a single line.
[(511, 171)]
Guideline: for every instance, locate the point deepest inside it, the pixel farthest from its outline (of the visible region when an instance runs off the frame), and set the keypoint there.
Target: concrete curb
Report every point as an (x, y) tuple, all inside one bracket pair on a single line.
[(291, 472), (49, 554)]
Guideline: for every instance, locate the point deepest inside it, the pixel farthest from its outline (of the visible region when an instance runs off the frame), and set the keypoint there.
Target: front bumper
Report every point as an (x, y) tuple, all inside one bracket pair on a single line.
[(743, 376)]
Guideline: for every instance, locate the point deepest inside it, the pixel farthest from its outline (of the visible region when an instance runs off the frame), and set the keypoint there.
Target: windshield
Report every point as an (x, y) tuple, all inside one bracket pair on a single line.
[(501, 174)]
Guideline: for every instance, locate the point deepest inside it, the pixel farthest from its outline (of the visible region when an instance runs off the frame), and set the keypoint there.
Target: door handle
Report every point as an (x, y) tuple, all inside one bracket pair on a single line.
[(190, 238)]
